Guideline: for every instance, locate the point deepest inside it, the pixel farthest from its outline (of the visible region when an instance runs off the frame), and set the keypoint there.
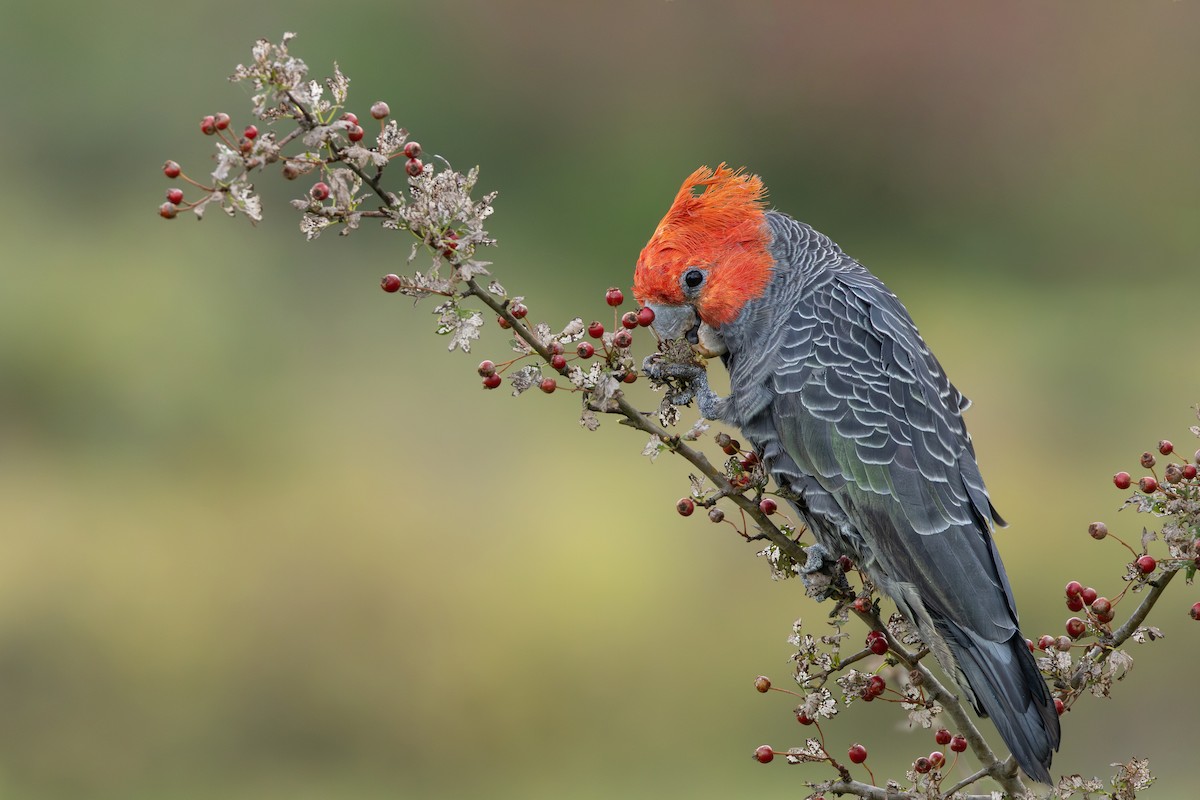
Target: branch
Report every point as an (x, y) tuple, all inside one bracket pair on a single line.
[(869, 792)]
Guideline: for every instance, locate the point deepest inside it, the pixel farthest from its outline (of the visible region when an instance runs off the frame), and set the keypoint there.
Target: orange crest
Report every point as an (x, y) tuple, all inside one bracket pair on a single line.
[(720, 229)]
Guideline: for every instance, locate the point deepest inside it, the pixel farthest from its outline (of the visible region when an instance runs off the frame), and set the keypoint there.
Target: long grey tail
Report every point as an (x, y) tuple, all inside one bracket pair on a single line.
[(1009, 688)]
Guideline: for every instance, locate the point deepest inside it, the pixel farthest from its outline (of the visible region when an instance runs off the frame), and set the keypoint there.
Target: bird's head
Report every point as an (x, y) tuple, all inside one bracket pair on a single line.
[(707, 257)]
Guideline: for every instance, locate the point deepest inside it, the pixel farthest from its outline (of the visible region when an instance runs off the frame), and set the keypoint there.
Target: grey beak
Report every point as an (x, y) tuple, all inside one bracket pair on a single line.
[(672, 322)]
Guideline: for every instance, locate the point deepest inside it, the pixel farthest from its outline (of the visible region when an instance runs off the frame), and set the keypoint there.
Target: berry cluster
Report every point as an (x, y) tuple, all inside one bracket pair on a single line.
[(611, 350)]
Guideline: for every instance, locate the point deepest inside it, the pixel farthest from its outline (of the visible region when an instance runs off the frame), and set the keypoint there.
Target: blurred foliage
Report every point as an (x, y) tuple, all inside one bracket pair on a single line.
[(262, 538)]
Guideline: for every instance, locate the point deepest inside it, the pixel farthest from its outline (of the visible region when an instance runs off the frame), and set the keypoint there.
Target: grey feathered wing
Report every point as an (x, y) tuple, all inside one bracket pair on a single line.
[(865, 412)]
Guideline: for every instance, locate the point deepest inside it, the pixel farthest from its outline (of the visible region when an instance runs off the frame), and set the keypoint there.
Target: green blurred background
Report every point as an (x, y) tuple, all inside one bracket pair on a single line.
[(263, 538)]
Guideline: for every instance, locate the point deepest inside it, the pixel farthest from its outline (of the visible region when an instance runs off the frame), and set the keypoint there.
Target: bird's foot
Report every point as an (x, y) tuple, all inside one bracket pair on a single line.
[(685, 382)]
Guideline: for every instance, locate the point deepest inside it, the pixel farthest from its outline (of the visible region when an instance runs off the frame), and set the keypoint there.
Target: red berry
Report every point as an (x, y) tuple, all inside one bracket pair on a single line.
[(319, 191), (614, 297), (876, 685), (1101, 606), (585, 350), (1146, 564), (391, 283), (595, 330), (487, 367), (768, 506), (1147, 459), (937, 758), (251, 132), (629, 377), (622, 339), (942, 737), (350, 117), (1196, 457), (174, 196), (548, 385), (685, 507), (750, 460), (519, 310), (379, 109), (167, 211), (208, 125), (922, 765), (503, 323), (1059, 707), (804, 719), (171, 169), (558, 361), (878, 646), (1195, 612), (959, 743), (355, 133), (1088, 596), (857, 753), (1074, 588), (492, 381), (762, 683), (1045, 642), (629, 319), (1028, 643), (1097, 530), (764, 754), (556, 348), (845, 563), (1122, 480), (732, 447), (412, 149), (1148, 485), (1062, 643), (645, 316), (1075, 628), (862, 604), (221, 121), (873, 635), (1075, 603), (1165, 447), (1188, 471), (414, 167)]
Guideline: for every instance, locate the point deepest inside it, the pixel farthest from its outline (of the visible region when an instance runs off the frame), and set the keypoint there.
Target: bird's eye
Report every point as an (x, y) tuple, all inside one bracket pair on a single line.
[(693, 278)]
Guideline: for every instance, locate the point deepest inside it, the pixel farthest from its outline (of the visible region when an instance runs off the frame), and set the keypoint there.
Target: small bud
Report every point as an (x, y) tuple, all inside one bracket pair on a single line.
[(380, 110), (412, 149), (1148, 485), (1123, 480), (172, 169), (645, 316), (1147, 459), (716, 515), (764, 754), (391, 283), (685, 506), (1097, 530), (762, 683), (414, 167), (614, 297), (1165, 447)]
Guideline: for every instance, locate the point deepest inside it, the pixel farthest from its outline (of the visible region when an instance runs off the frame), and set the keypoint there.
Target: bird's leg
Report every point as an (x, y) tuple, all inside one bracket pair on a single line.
[(687, 382)]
